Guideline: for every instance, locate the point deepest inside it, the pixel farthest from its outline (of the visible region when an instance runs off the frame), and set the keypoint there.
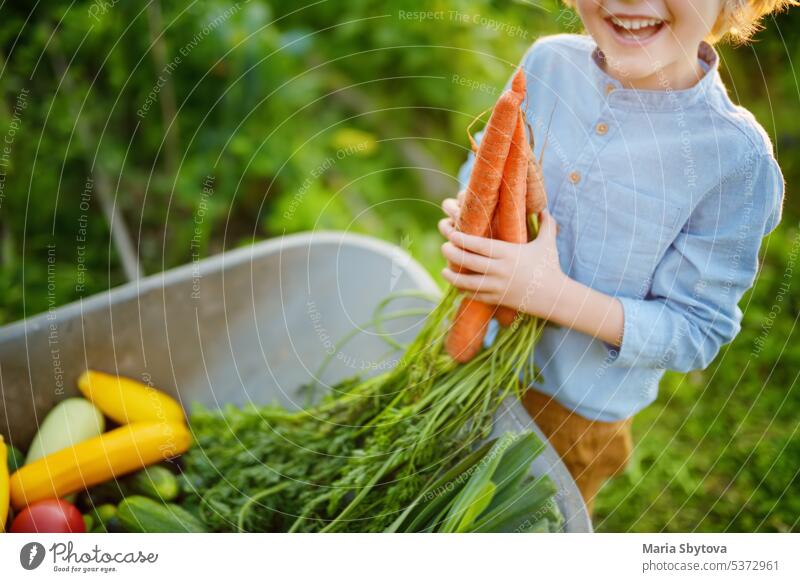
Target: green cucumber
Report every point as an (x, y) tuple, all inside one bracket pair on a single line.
[(139, 514), (72, 421), (102, 516), (88, 522), (156, 482)]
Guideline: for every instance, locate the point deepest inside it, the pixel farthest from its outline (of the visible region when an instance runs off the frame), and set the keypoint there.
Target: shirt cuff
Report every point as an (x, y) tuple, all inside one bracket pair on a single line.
[(634, 343)]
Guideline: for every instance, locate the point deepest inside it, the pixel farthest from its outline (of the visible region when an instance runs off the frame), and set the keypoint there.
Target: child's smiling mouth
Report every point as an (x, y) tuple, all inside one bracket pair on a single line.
[(634, 30)]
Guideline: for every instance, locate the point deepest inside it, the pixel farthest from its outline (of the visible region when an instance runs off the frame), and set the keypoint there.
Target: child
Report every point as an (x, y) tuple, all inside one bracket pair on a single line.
[(660, 190)]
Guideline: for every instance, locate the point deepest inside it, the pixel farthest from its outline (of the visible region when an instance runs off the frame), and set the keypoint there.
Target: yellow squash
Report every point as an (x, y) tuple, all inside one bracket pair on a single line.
[(3, 484), (105, 457), (125, 400)]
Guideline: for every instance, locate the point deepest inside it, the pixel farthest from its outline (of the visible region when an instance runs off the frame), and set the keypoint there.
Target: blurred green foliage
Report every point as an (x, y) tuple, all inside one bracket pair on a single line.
[(314, 117)]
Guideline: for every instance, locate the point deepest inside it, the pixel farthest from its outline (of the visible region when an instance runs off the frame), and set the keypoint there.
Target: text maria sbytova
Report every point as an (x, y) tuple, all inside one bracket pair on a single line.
[(694, 550)]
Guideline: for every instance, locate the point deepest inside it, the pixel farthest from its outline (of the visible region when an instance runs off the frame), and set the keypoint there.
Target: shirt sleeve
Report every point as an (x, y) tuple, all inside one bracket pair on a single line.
[(692, 308)]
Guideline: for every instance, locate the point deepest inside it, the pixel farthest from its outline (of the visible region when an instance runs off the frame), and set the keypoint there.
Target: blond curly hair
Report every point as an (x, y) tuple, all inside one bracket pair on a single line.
[(739, 20)]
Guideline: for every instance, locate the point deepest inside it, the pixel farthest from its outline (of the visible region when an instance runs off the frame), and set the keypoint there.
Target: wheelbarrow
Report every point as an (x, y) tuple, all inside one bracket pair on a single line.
[(248, 326)]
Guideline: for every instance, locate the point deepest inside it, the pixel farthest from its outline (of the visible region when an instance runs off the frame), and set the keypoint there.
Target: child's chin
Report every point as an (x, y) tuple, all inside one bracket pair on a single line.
[(629, 68)]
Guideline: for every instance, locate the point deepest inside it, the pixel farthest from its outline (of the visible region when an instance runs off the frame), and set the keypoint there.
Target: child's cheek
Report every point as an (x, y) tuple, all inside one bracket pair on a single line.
[(693, 20), (590, 14)]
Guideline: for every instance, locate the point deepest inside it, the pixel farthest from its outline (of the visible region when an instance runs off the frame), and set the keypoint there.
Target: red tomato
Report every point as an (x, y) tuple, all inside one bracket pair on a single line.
[(49, 516)]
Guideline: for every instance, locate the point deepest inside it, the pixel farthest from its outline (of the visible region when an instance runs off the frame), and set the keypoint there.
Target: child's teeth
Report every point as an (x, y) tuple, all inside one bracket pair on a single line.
[(635, 24)]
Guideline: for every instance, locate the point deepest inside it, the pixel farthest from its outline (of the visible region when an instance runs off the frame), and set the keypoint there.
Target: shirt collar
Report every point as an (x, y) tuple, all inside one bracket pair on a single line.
[(653, 100)]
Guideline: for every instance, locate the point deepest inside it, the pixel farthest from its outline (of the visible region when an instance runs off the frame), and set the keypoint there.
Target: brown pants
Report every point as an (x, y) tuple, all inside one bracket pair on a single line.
[(593, 451)]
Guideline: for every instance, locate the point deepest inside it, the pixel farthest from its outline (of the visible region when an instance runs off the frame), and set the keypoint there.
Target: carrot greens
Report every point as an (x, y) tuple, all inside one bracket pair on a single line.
[(361, 458)]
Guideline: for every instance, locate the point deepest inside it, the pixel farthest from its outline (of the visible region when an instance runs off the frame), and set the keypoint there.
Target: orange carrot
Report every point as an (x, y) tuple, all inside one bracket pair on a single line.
[(466, 335), (483, 190), (505, 315), (512, 225), (535, 194), (535, 197), (511, 205)]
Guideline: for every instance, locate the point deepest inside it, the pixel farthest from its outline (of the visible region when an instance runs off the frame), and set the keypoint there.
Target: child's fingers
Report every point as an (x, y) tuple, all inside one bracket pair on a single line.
[(446, 227), (466, 260), (487, 247), (450, 206), (475, 283), (461, 196), (487, 297)]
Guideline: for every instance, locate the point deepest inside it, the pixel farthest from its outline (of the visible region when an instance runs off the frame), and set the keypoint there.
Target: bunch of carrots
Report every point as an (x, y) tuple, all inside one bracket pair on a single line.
[(503, 199)]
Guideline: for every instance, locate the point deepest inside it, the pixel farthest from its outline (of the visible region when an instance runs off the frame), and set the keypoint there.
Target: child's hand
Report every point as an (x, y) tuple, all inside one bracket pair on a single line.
[(452, 206), (525, 277)]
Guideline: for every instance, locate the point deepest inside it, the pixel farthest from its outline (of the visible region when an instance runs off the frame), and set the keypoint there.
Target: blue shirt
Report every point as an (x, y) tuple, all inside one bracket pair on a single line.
[(662, 199)]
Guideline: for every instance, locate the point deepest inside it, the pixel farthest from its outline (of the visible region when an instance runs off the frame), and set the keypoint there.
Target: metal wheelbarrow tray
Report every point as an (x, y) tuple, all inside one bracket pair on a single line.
[(250, 325)]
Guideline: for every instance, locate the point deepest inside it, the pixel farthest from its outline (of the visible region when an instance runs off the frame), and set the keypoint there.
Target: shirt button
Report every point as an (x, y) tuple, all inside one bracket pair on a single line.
[(575, 177), (609, 88), (601, 128)]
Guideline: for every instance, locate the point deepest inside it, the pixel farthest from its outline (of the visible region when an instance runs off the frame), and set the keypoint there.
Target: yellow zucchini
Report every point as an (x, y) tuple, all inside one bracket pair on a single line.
[(105, 457), (125, 400), (3, 485)]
